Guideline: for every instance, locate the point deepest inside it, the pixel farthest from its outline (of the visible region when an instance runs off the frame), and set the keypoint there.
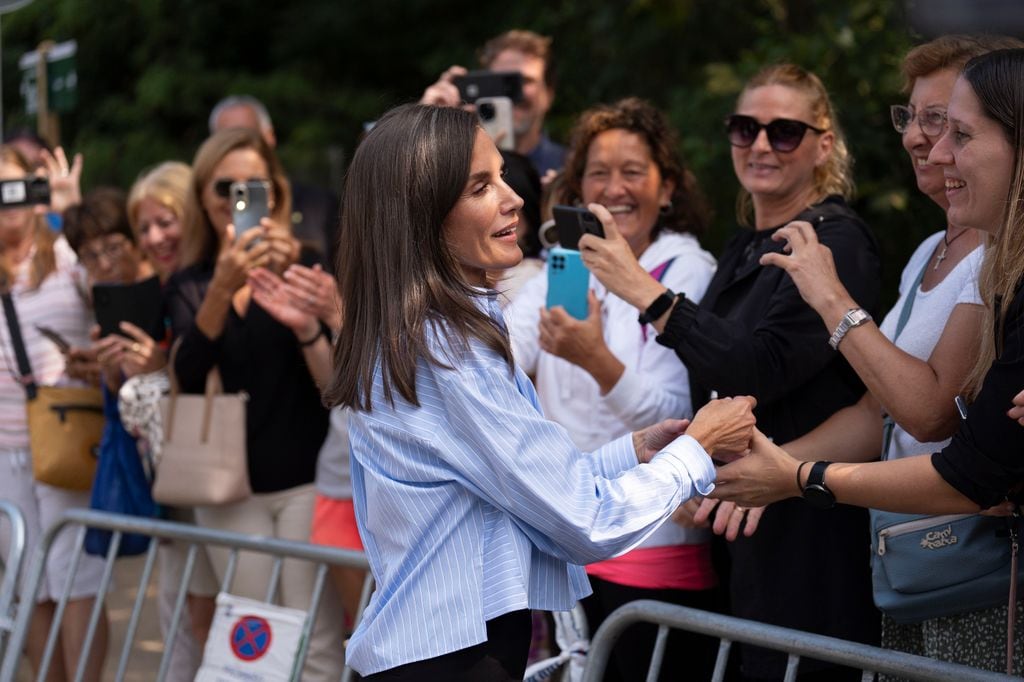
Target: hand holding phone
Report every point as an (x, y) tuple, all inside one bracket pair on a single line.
[(250, 203), (568, 282), (27, 191), (139, 303), (572, 223)]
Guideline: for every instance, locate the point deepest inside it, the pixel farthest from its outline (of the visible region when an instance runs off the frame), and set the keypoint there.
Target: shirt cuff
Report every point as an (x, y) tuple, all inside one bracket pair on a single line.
[(687, 455), (682, 317)]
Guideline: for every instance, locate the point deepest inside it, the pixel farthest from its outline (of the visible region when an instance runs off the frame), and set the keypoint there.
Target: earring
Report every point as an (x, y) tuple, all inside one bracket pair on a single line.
[(666, 210)]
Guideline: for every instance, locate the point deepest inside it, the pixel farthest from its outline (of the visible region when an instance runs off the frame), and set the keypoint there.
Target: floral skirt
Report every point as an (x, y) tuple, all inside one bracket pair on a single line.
[(975, 638)]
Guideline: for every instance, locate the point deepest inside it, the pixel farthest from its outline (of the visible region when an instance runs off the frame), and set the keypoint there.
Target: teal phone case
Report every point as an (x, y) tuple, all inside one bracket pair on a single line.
[(568, 282)]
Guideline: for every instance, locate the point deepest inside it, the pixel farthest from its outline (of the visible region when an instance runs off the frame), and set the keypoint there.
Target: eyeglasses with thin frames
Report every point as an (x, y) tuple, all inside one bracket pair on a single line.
[(112, 248), (931, 120)]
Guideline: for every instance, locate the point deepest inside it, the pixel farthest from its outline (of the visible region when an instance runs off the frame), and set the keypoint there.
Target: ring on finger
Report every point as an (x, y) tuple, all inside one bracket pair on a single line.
[(136, 347)]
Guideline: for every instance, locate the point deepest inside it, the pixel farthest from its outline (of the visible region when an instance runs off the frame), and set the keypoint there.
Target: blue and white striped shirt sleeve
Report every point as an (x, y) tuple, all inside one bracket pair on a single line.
[(578, 507)]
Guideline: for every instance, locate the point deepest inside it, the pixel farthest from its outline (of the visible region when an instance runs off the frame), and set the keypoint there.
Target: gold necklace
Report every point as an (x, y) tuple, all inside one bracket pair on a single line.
[(945, 247)]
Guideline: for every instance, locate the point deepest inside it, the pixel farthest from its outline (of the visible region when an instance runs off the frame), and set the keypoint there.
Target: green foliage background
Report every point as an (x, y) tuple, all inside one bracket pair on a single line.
[(149, 71)]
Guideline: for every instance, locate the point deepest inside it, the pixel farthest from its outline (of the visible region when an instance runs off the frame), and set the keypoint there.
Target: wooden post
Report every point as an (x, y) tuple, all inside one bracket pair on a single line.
[(47, 123)]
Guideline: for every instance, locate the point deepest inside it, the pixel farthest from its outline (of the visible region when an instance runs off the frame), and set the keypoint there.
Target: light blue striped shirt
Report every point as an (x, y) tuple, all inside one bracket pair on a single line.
[(473, 505)]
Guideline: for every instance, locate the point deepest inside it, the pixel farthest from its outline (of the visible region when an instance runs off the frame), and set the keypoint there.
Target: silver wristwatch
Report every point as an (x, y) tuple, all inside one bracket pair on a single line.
[(854, 317)]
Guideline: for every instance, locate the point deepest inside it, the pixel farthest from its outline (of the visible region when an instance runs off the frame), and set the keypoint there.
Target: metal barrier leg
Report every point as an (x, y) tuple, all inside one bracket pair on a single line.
[(98, 608), (274, 584), (133, 620), (179, 607), (311, 614), (13, 563), (58, 614), (792, 662), (658, 654), (722, 661)]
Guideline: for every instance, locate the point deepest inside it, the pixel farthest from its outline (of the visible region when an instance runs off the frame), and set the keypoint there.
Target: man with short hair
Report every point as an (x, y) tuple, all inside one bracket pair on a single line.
[(314, 211), (530, 54)]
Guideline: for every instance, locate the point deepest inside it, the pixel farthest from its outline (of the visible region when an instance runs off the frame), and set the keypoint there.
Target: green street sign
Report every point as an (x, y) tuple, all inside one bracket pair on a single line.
[(61, 78)]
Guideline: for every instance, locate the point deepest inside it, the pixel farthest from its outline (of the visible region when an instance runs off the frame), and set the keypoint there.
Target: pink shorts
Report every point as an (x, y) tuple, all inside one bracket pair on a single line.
[(334, 524)]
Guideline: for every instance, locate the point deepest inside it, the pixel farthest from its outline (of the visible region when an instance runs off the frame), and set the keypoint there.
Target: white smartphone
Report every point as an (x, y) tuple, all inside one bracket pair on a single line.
[(495, 115), (249, 204)]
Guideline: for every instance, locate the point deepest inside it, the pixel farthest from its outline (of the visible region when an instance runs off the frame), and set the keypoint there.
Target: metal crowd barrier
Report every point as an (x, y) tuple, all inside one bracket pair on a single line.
[(728, 629), (12, 564), (78, 520)]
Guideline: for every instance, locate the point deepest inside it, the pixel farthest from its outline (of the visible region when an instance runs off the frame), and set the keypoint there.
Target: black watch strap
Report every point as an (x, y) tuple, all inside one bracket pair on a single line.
[(658, 307), (816, 492)]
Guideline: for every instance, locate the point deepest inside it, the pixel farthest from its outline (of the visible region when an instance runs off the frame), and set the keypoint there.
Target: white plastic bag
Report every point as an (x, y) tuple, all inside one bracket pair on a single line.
[(251, 640)]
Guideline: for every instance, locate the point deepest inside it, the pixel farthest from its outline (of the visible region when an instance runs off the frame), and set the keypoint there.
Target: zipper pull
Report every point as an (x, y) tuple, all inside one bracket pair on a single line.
[(881, 543)]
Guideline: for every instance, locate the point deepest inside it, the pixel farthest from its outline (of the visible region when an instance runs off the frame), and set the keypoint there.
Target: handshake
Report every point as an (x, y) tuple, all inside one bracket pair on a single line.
[(724, 428)]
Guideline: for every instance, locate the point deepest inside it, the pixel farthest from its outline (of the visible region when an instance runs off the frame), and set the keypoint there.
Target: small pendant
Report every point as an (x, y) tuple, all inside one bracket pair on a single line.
[(941, 257)]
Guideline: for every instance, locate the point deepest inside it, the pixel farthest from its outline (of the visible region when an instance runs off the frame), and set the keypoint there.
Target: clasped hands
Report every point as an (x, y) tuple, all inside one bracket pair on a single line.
[(754, 473), (722, 427)]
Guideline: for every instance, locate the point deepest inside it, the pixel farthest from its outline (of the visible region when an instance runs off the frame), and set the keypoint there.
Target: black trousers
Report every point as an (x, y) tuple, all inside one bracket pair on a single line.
[(502, 657)]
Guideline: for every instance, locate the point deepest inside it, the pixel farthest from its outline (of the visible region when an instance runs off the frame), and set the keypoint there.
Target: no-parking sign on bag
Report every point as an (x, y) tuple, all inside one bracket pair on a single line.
[(251, 640)]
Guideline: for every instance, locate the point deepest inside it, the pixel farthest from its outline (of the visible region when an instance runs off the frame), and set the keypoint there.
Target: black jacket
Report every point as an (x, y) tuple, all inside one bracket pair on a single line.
[(752, 334), (286, 422), (985, 459)]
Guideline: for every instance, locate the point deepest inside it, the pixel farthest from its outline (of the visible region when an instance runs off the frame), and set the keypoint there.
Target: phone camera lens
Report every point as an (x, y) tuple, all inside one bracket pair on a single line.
[(486, 111)]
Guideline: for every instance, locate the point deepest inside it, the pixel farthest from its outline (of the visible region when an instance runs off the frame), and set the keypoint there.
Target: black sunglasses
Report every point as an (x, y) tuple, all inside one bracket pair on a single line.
[(222, 187), (784, 134)]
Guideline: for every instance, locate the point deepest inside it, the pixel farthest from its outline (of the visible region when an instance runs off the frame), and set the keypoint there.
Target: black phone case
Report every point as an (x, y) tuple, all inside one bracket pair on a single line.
[(139, 303), (572, 223), (477, 84)]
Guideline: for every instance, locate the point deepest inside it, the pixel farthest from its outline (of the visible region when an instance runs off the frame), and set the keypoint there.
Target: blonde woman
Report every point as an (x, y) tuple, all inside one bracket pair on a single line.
[(220, 324), (753, 334)]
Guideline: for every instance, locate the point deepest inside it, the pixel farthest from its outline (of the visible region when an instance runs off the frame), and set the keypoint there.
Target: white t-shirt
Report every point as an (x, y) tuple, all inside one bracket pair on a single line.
[(57, 304), (928, 320), (654, 385)]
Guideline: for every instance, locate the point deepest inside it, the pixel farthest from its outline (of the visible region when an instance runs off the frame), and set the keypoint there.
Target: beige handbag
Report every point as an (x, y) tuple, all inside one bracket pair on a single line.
[(203, 460)]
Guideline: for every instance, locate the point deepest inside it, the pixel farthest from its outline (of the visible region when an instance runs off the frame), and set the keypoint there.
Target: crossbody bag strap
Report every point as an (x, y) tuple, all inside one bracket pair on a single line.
[(908, 306), (28, 381)]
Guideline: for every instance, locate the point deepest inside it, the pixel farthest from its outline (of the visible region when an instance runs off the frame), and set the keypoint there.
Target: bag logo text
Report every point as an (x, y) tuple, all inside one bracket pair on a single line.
[(937, 539)]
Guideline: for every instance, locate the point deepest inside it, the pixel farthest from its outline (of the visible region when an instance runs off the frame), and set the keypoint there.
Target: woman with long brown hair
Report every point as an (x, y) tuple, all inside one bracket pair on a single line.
[(472, 507)]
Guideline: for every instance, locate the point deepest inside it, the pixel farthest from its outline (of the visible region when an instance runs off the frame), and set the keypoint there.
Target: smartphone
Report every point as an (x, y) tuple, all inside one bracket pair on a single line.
[(495, 114), (139, 303), (249, 204), (477, 84), (572, 223), (568, 282), (24, 192), (62, 344)]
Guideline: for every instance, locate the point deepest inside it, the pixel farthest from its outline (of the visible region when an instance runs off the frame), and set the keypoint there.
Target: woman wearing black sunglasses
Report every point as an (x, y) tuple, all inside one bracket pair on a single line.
[(752, 334), (917, 359), (218, 322)]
